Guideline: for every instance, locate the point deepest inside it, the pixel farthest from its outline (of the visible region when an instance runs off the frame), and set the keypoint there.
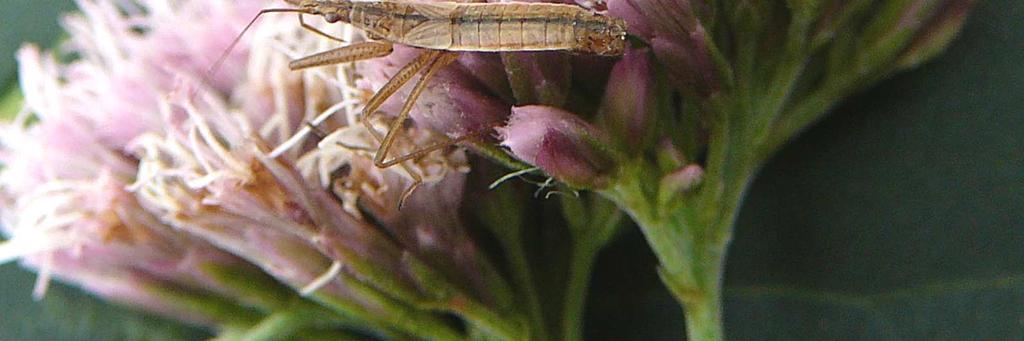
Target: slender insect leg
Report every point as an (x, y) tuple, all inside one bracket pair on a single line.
[(440, 62), (345, 54), (317, 31), (447, 142), (436, 64), (396, 82)]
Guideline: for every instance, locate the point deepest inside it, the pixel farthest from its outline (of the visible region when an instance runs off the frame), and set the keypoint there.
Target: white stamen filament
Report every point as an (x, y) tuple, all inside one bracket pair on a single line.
[(321, 280), (305, 130), (209, 139), (45, 273)]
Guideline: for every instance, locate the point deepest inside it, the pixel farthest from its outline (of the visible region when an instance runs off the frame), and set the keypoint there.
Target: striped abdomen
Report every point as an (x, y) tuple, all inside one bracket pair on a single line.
[(490, 27)]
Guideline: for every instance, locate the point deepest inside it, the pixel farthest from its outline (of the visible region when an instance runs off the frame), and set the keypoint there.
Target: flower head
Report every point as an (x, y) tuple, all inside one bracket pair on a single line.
[(143, 171), (560, 143), (137, 174), (67, 210)]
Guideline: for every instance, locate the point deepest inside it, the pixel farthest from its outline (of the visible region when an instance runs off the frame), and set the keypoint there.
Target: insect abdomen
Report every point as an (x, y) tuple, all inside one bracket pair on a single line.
[(487, 27), (514, 27)]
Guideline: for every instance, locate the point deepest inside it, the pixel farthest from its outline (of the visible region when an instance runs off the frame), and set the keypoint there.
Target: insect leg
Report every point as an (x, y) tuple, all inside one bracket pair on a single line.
[(441, 60), (317, 31), (345, 54), (446, 142), (379, 160), (396, 82)]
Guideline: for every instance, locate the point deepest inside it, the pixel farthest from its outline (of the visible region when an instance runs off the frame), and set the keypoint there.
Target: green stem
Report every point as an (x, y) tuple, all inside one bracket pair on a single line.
[(487, 320), (698, 287), (689, 235), (391, 314), (523, 276), (224, 311), (503, 213), (328, 335), (581, 264), (302, 320), (448, 298), (591, 226), (704, 316), (279, 325), (702, 302)]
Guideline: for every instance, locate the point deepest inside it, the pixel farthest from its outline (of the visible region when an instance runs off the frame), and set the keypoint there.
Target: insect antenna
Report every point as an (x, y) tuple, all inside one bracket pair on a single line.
[(212, 71)]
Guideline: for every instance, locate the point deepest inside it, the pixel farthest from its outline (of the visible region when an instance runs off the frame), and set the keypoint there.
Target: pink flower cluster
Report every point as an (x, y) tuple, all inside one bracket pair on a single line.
[(133, 172)]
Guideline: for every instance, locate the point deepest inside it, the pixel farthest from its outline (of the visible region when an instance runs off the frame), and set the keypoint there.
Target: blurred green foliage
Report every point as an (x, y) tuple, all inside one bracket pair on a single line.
[(10, 103), (898, 217), (66, 313), (23, 21)]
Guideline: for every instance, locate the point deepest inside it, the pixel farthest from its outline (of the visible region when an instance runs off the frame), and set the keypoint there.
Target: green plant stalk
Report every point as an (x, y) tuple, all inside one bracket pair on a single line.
[(280, 325), (391, 314), (591, 228), (689, 232), (690, 244), (331, 335), (487, 320), (279, 303), (224, 310), (503, 215), (302, 320), (754, 114), (581, 264), (704, 315), (523, 275), (448, 298), (255, 288)]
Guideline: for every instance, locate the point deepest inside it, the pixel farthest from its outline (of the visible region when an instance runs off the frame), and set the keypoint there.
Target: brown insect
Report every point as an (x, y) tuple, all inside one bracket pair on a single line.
[(445, 28)]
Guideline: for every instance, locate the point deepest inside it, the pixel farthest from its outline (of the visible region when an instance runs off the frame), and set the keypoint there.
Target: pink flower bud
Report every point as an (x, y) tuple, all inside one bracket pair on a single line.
[(683, 179), (627, 110), (538, 77), (560, 143), (937, 33), (488, 69), (677, 37)]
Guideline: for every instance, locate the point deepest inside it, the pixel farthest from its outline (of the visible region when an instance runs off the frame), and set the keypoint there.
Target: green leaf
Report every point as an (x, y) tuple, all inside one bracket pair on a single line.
[(898, 217), (10, 104), (23, 22), (66, 313)]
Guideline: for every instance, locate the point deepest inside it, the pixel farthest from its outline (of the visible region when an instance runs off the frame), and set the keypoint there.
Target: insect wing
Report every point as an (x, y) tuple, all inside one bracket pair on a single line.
[(435, 11), (430, 34), (436, 30)]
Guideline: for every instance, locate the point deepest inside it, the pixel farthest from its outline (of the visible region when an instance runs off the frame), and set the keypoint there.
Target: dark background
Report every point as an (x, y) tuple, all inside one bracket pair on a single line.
[(896, 217)]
